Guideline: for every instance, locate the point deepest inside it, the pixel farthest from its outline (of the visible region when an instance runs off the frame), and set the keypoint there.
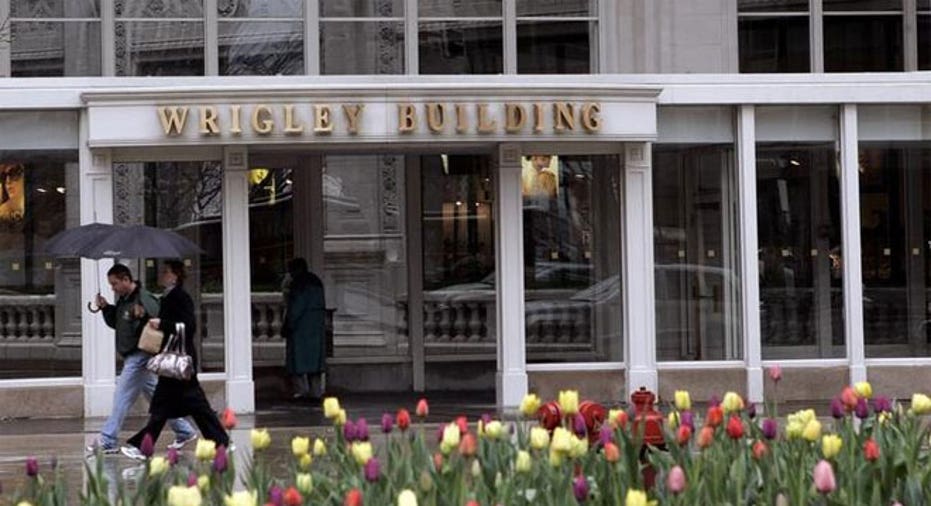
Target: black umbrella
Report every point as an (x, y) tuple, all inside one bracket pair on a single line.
[(71, 242)]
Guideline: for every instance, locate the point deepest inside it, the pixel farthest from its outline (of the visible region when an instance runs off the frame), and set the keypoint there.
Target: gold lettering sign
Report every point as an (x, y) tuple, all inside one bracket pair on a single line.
[(436, 117), (259, 125), (407, 118), (235, 127), (173, 119), (322, 121), (353, 114), (290, 127), (516, 116), (208, 120)]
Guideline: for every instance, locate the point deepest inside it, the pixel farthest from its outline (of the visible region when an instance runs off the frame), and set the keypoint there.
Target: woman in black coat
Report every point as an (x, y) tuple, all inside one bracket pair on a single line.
[(174, 398)]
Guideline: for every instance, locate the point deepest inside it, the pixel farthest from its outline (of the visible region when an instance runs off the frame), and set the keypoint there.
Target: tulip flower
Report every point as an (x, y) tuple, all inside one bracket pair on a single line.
[(305, 461), (848, 396), (203, 482), (837, 408), (300, 446), (331, 407), (618, 418), (580, 488), (635, 498), (228, 419), (184, 496), (556, 458), (425, 481), (732, 402), (304, 482), (473, 502), (353, 498), (812, 431), (522, 463), (864, 389), (562, 440), (612, 452), (404, 419), (672, 420), (882, 405), (921, 404), (530, 405), (243, 498), (605, 435), (476, 469), (569, 402), (192, 479), (450, 438), (148, 446), (468, 445), (683, 400), (675, 480), (362, 452), (770, 428), (579, 447), (349, 431), (260, 439), (539, 438), (687, 418), (494, 429), (775, 373), (362, 430), (387, 423), (220, 461), (705, 437), (715, 416), (319, 447), (735, 428), (871, 450), (437, 461), (423, 409), (751, 411), (340, 419), (578, 425), (759, 450), (831, 445), (407, 498), (32, 467), (714, 401), (276, 495), (293, 497), (158, 466), (463, 424), (824, 477), (862, 410), (206, 450), (172, 456), (683, 435)]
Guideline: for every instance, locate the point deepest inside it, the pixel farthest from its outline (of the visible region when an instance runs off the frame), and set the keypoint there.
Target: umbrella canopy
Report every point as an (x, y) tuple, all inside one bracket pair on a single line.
[(140, 241), (71, 242)]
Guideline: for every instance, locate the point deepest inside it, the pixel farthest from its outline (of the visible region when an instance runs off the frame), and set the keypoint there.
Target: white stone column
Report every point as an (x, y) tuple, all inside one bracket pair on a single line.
[(237, 289), (639, 307), (509, 264), (749, 265), (850, 245), (98, 349)]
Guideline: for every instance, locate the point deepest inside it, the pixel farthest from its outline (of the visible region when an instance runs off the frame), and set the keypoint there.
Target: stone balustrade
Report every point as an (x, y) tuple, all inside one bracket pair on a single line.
[(27, 318)]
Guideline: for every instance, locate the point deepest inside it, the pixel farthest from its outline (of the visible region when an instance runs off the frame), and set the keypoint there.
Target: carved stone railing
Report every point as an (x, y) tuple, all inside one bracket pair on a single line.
[(27, 318)]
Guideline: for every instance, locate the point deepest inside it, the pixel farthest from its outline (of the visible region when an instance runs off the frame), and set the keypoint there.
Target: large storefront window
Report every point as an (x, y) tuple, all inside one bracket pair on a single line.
[(895, 221), (186, 197), (695, 236), (149, 45), (799, 231), (40, 296), (56, 38), (572, 262)]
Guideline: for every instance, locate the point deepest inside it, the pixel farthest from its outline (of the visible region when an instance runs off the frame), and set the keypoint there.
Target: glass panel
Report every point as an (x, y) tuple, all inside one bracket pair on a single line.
[(51, 49), (800, 256), (40, 296), (695, 250), (186, 197), (572, 262), (774, 44), (55, 8), (924, 5), (271, 232), (261, 9), (862, 5), (365, 259), (461, 47), (548, 47), (924, 42), (159, 49), (361, 48), (159, 9), (772, 5), (475, 8), (261, 48), (361, 8), (862, 43), (458, 256), (895, 183), (557, 8)]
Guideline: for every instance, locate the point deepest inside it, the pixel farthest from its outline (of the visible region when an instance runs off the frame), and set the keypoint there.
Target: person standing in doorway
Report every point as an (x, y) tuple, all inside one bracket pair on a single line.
[(127, 316), (305, 330), (176, 398)]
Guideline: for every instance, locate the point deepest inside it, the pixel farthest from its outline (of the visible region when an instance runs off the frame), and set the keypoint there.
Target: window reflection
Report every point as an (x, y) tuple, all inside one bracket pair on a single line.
[(774, 44), (461, 47), (863, 43)]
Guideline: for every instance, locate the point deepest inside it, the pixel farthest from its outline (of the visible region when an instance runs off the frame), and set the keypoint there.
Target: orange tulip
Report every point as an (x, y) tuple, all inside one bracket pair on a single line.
[(871, 450), (423, 409), (705, 437), (229, 419), (612, 452), (403, 419), (759, 450), (715, 416), (468, 445), (848, 396)]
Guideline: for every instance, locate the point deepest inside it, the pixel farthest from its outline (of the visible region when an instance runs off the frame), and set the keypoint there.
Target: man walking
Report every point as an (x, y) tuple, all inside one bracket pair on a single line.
[(127, 316)]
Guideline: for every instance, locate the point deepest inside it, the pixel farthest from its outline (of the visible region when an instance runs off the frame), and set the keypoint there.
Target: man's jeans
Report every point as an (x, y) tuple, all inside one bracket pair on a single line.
[(136, 379)]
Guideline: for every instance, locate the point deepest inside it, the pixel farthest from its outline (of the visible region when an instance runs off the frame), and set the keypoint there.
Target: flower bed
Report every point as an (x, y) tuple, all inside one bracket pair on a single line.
[(560, 453)]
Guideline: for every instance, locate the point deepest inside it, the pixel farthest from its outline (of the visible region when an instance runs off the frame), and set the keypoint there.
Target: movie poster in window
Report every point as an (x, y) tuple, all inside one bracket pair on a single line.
[(12, 194), (540, 177)]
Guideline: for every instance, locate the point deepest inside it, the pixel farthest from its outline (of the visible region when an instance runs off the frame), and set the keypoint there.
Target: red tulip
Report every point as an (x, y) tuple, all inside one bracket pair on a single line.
[(824, 477), (423, 409), (612, 452), (683, 435), (403, 419), (468, 445), (759, 450), (292, 497), (473, 502), (848, 396), (715, 416), (148, 445), (229, 419), (705, 437), (463, 424), (353, 498), (735, 428), (871, 450), (775, 373)]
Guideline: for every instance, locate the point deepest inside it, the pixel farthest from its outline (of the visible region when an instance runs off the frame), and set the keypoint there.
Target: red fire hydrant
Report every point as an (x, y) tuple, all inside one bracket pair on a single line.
[(649, 424)]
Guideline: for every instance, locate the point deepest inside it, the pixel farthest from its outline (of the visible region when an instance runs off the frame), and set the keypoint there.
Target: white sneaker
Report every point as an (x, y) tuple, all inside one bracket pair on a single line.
[(133, 453), (98, 446), (178, 444)]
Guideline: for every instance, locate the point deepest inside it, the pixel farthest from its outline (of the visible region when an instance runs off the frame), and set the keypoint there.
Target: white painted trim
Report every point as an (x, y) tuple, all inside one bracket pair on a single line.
[(14, 384), (511, 378), (211, 376), (910, 35), (816, 36), (749, 266), (312, 37), (898, 362), (411, 38), (850, 234), (813, 363), (509, 36), (576, 366), (6, 51), (107, 38), (167, 154), (700, 364), (211, 38)]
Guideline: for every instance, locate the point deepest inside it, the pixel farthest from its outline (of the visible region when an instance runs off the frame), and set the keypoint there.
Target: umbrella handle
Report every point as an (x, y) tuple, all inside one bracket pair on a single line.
[(92, 308)]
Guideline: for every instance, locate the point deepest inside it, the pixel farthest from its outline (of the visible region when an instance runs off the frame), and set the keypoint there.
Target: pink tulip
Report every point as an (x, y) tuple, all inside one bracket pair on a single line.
[(824, 477), (675, 480), (775, 373)]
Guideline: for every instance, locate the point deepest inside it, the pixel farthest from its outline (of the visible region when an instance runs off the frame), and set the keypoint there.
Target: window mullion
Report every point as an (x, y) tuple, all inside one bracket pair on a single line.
[(107, 38), (6, 32), (211, 38), (509, 32), (910, 35), (816, 33), (411, 38), (312, 37)]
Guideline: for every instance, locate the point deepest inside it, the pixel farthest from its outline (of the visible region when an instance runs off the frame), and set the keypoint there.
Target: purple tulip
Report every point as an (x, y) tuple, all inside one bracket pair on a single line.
[(882, 405), (220, 460), (688, 419), (751, 410), (486, 419), (148, 446), (172, 456), (770, 428), (580, 488), (714, 401), (372, 470), (439, 433), (387, 423), (276, 495), (862, 410), (606, 435), (349, 431), (578, 425), (362, 430), (837, 409), (192, 479), (32, 467)]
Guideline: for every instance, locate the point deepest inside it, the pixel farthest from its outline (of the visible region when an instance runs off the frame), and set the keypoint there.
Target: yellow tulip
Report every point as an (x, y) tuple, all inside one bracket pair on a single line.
[(362, 452), (300, 446), (555, 457), (157, 466), (304, 482), (523, 463), (305, 461), (331, 407), (407, 498), (340, 419), (450, 438), (206, 449), (683, 400), (539, 438), (569, 402), (184, 496), (831, 445), (530, 405), (732, 402), (203, 482), (244, 498), (319, 447), (812, 430), (260, 439), (884, 418), (921, 404), (562, 440), (635, 498), (579, 447), (24, 503), (425, 481), (863, 389), (476, 469), (494, 429), (673, 419)]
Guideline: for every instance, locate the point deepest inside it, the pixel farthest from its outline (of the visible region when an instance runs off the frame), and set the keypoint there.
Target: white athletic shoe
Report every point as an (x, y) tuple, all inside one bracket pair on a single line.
[(133, 453)]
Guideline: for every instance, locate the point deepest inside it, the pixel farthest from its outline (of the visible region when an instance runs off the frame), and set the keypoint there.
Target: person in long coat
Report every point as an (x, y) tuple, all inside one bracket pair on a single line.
[(305, 330), (177, 398)]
